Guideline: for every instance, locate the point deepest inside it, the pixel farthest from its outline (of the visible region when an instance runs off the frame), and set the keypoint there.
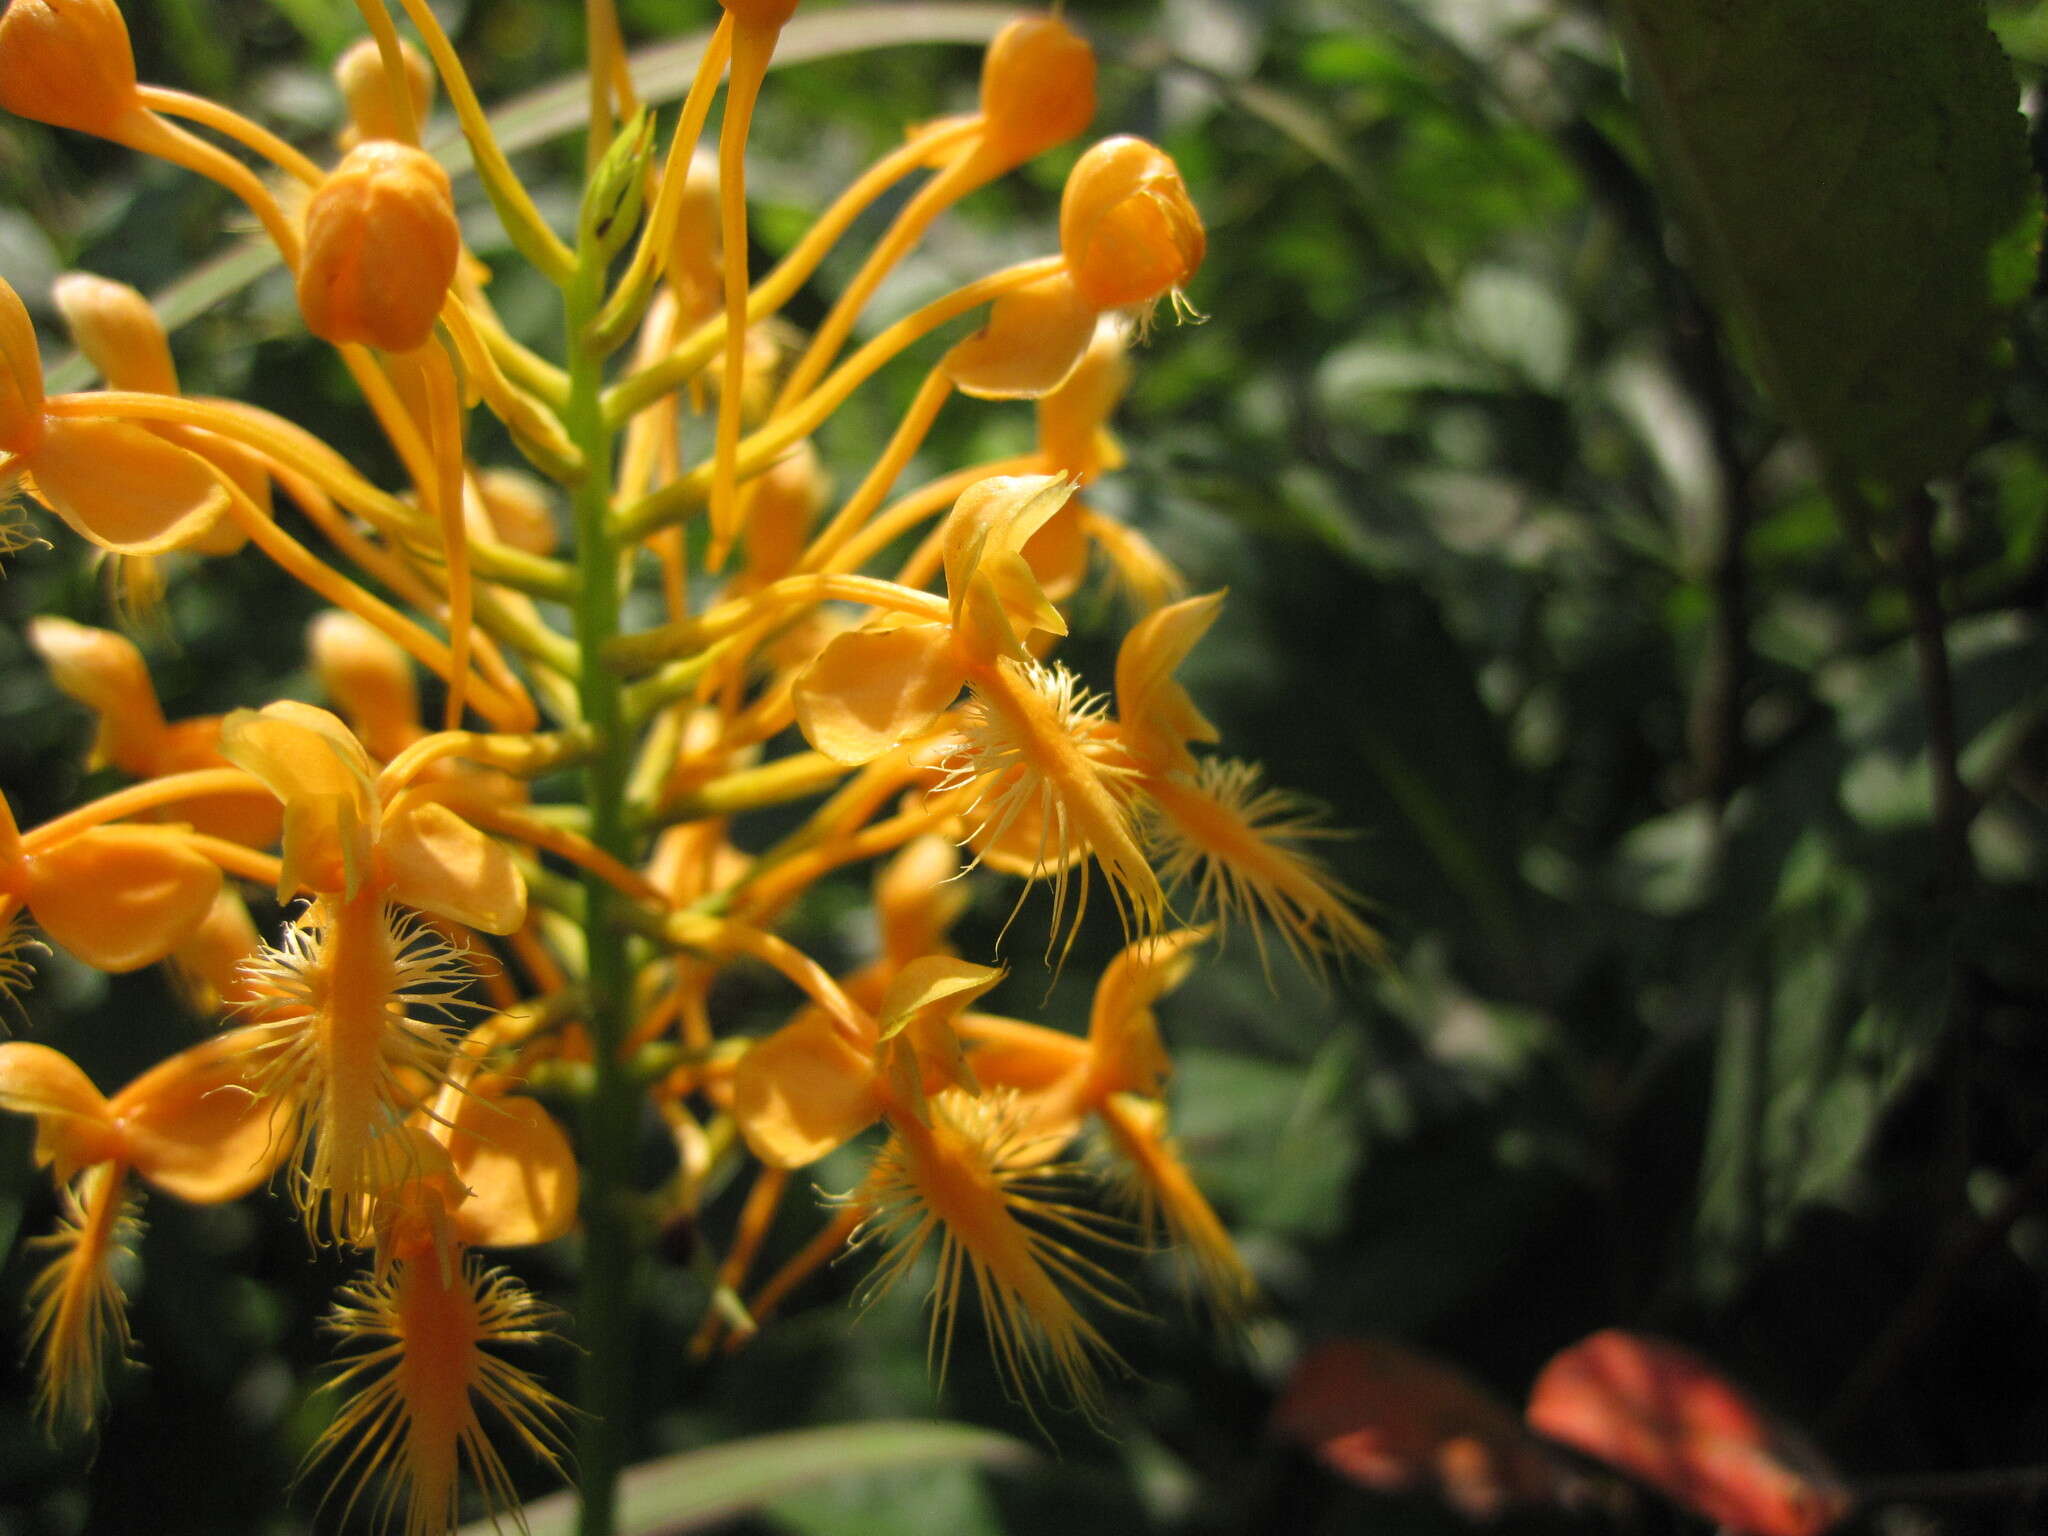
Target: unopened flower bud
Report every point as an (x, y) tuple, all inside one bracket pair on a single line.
[(519, 509), (67, 63), (696, 260), (21, 376), (1037, 87), (918, 896), (382, 243), (372, 114), (1128, 230), (116, 329), (369, 679), (786, 499)]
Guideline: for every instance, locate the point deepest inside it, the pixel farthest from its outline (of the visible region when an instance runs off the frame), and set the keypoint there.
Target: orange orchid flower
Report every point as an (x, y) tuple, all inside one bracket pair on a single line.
[(186, 1126), (1031, 727), (1117, 1075), (1215, 825)]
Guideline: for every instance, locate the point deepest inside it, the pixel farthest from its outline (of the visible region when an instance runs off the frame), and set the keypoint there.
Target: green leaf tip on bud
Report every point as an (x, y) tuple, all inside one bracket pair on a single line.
[(618, 188)]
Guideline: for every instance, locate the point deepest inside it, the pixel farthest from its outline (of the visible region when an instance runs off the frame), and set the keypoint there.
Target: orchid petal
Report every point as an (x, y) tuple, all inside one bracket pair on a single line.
[(873, 689), (120, 898)]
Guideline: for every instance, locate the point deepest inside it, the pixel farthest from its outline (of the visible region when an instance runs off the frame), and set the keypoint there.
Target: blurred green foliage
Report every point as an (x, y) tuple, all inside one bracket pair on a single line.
[(1688, 1027)]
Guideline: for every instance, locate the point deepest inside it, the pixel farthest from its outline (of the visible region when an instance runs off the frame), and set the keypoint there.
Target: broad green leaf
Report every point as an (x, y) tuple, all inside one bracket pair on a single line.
[(662, 74), (701, 1488), (1854, 182)]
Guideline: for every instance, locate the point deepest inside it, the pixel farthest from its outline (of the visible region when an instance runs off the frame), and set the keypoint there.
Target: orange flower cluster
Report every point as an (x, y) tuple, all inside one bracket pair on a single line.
[(437, 959)]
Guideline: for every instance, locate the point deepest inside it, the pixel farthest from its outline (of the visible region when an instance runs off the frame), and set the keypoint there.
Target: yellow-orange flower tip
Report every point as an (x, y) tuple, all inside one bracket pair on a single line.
[(1136, 564), (1155, 714), (760, 15), (920, 1004), (366, 96), (325, 781), (119, 485), (1034, 338), (803, 1091), (1037, 88), (994, 595), (21, 375), (430, 858), (73, 1127), (1123, 1036), (191, 1128), (117, 898), (1165, 1193), (696, 254), (918, 897), (1128, 230), (340, 839), (207, 967), (426, 1337), (106, 673), (516, 1164), (873, 689), (67, 63), (118, 332), (382, 244)]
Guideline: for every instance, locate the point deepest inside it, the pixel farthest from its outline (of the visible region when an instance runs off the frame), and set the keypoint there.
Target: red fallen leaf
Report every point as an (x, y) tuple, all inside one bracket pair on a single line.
[(1664, 1416), (1392, 1419)]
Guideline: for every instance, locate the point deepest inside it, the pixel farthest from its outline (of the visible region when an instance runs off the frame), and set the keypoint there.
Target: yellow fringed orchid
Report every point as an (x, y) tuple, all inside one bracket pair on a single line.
[(874, 689), (1216, 827), (1117, 1076), (186, 1126), (426, 1336), (943, 730)]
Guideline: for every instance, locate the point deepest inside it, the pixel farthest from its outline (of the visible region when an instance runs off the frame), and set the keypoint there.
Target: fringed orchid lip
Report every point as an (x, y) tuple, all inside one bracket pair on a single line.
[(78, 1318), (426, 1339), (352, 1033), (973, 1184)]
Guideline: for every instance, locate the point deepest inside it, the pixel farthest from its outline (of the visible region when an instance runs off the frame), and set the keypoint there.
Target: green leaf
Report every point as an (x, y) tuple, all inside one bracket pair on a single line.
[(662, 74), (1854, 182), (701, 1488)]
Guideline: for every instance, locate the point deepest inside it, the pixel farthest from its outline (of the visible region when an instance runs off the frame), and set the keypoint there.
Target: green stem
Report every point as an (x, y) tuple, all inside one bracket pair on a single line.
[(610, 1113)]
